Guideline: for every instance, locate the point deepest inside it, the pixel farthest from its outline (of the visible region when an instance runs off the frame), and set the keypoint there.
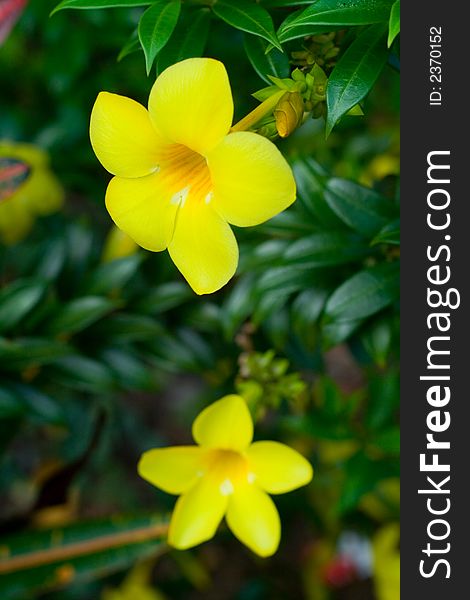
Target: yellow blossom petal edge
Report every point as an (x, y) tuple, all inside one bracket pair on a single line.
[(142, 208), (204, 248), (191, 103), (123, 137), (278, 468), (226, 476), (197, 515), (174, 470), (254, 520), (252, 181), (225, 424)]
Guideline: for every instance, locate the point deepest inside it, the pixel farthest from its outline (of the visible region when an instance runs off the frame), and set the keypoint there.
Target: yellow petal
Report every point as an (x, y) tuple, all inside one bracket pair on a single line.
[(203, 248), (197, 514), (278, 468), (254, 520), (123, 137), (225, 424), (142, 208), (174, 470), (191, 103), (252, 181)]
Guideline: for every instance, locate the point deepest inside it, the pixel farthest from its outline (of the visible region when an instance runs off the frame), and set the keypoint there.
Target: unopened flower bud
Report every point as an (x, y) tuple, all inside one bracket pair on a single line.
[(289, 113)]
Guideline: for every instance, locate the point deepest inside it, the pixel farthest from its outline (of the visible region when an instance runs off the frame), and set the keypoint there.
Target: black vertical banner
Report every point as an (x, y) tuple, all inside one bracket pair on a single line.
[(435, 302)]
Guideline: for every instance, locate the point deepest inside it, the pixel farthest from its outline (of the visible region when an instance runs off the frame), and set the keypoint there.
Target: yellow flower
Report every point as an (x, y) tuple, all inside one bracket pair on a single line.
[(181, 177), (226, 475), (28, 189)]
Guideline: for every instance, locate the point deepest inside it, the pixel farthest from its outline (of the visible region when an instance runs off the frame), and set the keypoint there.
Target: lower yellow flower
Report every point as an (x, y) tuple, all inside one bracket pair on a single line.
[(226, 475), (181, 177), (28, 189)]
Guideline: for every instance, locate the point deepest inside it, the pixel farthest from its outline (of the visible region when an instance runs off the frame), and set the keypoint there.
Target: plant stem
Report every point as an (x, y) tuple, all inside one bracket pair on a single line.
[(258, 113)]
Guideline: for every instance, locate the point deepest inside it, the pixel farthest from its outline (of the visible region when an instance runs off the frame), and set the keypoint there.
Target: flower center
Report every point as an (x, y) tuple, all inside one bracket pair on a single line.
[(230, 468), (185, 174)]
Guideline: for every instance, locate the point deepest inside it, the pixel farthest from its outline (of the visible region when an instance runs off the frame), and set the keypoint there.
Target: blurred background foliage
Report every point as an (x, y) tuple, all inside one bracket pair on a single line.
[(106, 352)]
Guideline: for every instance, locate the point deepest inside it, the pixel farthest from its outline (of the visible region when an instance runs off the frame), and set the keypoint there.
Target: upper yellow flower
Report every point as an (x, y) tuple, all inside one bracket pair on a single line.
[(226, 475), (181, 176)]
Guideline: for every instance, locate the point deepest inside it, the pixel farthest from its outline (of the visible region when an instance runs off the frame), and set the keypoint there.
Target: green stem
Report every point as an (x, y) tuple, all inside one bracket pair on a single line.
[(258, 113)]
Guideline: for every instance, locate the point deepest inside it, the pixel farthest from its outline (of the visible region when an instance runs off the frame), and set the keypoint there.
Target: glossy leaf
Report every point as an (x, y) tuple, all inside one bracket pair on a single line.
[(283, 3), (17, 300), (325, 249), (86, 374), (164, 297), (355, 73), (331, 14), (389, 234), (79, 314), (112, 276), (248, 17), (132, 45), (394, 23), (361, 208), (364, 294), (274, 62), (18, 353), (156, 26), (84, 4)]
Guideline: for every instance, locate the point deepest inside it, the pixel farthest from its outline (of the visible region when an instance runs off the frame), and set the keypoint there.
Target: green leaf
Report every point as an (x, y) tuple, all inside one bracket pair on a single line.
[(188, 39), (132, 45), (287, 279), (383, 400), (361, 208), (284, 3), (389, 234), (156, 26), (248, 17), (394, 23), (325, 249), (364, 294), (39, 407), (338, 331), (84, 4), (130, 371), (355, 73), (82, 373), (311, 181), (363, 474), (113, 275), (79, 314), (122, 327), (327, 15), (265, 63), (45, 559), (17, 300), (165, 297), (238, 305), (10, 404), (22, 352), (388, 441)]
